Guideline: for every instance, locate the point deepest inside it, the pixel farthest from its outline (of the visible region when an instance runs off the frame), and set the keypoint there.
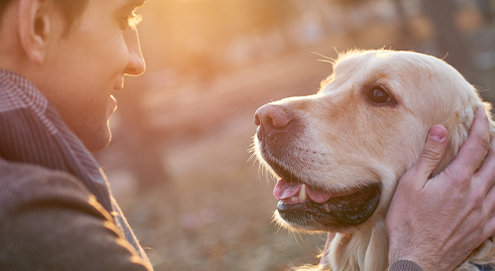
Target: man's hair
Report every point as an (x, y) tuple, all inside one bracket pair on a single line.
[(71, 9)]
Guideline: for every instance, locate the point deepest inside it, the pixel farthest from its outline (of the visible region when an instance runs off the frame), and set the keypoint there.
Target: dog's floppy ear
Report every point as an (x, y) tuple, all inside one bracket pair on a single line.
[(458, 124)]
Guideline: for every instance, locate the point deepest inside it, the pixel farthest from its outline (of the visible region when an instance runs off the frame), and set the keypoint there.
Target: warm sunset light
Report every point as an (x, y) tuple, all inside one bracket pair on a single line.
[(182, 130), (247, 135)]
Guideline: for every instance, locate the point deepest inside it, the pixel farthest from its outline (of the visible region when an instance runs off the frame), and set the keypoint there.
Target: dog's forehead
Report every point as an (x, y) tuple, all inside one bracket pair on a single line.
[(416, 80), (355, 69), (399, 68), (373, 62)]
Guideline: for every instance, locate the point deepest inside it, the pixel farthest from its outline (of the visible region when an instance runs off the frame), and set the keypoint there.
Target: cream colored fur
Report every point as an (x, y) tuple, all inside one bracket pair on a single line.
[(359, 142)]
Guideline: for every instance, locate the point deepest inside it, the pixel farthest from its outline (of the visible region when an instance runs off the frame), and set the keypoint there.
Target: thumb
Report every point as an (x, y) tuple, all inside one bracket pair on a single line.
[(435, 146)]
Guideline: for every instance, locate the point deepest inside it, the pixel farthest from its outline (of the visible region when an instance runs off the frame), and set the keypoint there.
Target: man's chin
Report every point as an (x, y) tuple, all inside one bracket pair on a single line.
[(97, 141)]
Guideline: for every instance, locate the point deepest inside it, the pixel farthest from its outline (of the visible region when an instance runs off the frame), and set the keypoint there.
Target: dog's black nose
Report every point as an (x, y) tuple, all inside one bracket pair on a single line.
[(271, 116)]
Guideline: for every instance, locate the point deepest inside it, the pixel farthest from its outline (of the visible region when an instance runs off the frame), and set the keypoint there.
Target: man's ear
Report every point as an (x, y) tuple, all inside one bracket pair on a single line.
[(34, 28)]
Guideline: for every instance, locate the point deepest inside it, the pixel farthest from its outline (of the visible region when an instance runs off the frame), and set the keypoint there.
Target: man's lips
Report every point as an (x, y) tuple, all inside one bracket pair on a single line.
[(119, 84), (112, 105)]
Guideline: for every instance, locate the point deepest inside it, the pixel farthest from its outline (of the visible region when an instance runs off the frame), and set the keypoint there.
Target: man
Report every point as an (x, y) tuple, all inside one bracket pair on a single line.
[(60, 61)]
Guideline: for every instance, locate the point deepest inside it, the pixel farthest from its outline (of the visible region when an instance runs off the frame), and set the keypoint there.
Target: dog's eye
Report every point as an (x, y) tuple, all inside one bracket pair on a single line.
[(379, 96)]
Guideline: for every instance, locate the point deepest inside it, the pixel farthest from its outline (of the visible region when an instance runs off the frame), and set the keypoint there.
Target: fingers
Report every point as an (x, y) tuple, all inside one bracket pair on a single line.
[(474, 149), (435, 146), (488, 210), (489, 229), (489, 202), (485, 177)]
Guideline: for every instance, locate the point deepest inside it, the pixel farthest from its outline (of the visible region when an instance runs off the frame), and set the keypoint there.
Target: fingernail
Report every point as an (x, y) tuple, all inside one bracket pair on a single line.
[(437, 133)]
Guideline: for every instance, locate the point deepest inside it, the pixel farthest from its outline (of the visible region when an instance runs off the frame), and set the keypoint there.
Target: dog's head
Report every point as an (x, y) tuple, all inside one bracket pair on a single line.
[(339, 154)]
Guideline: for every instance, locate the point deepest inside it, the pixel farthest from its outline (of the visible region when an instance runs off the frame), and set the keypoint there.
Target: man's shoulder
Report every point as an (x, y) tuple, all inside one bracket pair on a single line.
[(11, 169), (50, 221), (22, 182)]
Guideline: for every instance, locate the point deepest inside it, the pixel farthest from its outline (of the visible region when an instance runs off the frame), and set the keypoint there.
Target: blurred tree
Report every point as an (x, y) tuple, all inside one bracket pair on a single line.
[(349, 3), (486, 10), (404, 29), (446, 35), (404, 36)]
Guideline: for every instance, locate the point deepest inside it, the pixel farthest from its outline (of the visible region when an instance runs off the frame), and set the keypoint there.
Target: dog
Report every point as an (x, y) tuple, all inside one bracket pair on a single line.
[(339, 154)]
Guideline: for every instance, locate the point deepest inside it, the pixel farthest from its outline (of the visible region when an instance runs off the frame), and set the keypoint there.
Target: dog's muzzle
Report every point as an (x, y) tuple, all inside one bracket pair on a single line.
[(348, 210), (278, 133)]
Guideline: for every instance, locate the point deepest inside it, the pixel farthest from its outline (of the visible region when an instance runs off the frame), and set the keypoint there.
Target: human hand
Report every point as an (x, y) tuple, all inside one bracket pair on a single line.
[(437, 223)]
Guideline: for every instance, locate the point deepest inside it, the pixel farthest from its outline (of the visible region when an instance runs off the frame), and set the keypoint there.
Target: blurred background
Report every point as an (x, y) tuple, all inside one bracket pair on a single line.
[(179, 162)]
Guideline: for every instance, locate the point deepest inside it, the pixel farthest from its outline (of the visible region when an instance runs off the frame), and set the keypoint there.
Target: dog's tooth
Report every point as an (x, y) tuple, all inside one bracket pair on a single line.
[(293, 199), (302, 193)]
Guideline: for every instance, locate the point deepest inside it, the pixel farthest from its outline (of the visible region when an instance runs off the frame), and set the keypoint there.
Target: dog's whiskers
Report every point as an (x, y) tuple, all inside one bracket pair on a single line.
[(326, 59)]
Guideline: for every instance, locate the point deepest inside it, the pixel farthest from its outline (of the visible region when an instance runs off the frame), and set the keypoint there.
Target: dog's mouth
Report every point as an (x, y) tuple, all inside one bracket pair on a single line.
[(314, 208)]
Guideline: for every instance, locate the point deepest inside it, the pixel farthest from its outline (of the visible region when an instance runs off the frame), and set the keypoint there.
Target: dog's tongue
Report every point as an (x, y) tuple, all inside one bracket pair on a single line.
[(285, 190), (318, 196)]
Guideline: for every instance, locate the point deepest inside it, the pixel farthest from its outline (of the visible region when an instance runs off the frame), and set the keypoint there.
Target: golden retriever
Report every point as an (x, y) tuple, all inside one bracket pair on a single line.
[(338, 154)]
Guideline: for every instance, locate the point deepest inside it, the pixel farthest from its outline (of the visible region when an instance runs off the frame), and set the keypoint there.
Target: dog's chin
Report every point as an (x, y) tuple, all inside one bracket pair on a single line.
[(336, 210), (338, 214), (309, 226)]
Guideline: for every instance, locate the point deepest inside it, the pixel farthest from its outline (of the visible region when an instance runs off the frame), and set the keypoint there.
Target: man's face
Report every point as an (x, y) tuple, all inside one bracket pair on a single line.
[(83, 68)]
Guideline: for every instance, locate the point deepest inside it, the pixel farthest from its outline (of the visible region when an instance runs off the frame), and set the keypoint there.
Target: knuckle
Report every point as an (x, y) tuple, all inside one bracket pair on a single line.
[(430, 154), (460, 175), (478, 199), (484, 117), (488, 231), (483, 140), (464, 176), (480, 116)]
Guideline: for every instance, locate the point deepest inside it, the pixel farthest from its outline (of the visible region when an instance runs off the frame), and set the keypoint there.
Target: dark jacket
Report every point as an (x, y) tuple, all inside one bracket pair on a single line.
[(50, 221), (56, 209)]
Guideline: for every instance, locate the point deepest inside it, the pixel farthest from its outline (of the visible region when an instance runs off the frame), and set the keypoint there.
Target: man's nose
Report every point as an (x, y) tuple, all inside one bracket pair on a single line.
[(272, 117), (135, 64)]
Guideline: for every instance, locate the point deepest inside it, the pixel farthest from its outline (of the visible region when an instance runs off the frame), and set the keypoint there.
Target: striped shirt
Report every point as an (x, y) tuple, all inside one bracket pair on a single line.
[(32, 132)]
